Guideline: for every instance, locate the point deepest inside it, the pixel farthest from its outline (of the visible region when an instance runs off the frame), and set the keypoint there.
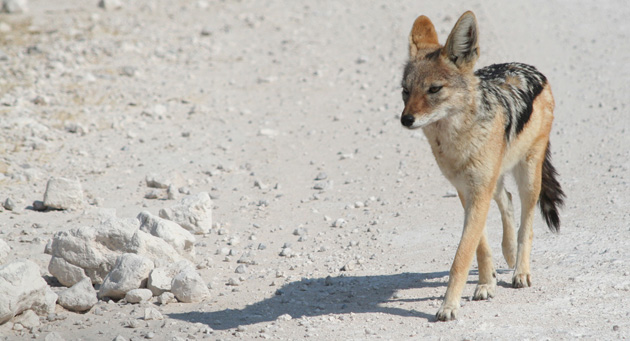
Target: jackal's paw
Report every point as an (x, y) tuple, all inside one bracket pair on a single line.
[(447, 312), (521, 280), (484, 291)]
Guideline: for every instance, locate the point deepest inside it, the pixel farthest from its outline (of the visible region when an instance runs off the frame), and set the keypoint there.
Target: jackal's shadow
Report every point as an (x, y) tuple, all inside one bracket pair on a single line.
[(322, 296)]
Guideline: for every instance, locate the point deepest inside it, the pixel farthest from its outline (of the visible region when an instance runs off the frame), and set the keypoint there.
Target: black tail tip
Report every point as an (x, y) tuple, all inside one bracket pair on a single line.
[(553, 221)]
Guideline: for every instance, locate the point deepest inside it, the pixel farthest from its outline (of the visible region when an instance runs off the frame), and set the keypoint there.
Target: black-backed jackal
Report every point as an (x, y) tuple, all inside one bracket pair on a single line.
[(481, 125)]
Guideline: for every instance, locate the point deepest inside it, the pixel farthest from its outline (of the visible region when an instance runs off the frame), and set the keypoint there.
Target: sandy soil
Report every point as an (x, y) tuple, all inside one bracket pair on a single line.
[(251, 102)]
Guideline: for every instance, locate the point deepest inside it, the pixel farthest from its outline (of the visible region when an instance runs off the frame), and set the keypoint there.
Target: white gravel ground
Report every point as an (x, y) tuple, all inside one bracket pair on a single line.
[(331, 221)]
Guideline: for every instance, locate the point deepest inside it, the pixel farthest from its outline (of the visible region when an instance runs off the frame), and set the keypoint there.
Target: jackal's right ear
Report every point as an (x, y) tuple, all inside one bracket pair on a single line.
[(462, 46), (422, 36)]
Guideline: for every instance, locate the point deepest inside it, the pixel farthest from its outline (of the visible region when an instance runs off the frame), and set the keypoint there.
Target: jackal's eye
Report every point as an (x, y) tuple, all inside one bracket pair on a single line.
[(435, 89), (405, 94)]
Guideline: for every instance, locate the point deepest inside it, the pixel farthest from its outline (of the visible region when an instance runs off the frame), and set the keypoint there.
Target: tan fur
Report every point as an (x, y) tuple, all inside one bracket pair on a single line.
[(475, 156)]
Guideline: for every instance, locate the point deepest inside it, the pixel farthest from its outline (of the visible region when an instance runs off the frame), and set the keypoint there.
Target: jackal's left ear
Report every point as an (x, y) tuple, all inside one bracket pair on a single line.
[(422, 35), (462, 47)]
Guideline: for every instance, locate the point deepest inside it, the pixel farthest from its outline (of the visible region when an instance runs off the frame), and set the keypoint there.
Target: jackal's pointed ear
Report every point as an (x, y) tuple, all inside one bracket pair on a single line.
[(422, 35), (462, 46)]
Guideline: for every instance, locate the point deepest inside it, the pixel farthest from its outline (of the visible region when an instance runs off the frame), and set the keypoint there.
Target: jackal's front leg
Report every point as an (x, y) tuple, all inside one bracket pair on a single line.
[(477, 205), (487, 274)]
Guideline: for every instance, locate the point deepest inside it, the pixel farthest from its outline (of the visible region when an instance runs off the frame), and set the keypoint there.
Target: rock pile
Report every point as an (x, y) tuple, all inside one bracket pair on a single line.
[(131, 259), (94, 250)]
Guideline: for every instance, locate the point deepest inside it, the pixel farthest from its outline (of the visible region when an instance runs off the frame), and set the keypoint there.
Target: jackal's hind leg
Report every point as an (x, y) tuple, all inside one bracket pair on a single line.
[(528, 177)]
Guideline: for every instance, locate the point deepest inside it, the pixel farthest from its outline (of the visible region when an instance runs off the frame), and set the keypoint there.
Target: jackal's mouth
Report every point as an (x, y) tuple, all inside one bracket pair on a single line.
[(410, 122)]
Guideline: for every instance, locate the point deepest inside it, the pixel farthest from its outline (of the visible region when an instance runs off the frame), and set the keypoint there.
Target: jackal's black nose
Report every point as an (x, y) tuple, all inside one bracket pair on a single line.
[(407, 120)]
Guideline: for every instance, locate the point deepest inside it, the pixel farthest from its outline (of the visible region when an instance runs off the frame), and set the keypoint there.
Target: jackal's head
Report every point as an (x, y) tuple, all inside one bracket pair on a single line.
[(438, 80)]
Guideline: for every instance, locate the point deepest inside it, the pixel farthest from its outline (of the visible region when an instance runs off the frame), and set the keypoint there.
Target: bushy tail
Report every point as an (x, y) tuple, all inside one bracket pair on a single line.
[(551, 197)]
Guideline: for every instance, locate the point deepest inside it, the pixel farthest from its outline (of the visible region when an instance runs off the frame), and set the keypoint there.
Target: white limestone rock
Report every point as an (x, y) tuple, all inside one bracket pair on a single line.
[(161, 278), (28, 319), (66, 273), (15, 6), (138, 295), (53, 336), (130, 272), (110, 5), (188, 287), (159, 281), (166, 298), (63, 194), (50, 301), (180, 239), (193, 212), (21, 288), (163, 181), (80, 297), (151, 313)]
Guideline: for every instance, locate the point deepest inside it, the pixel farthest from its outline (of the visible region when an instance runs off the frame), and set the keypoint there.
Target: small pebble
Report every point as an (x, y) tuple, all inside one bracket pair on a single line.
[(151, 313), (128, 71), (321, 185), (4, 27), (362, 60), (40, 100), (9, 204), (152, 194), (284, 317), (321, 176), (339, 223), (109, 5), (450, 194), (206, 31), (172, 193), (259, 184), (15, 6), (286, 252), (132, 323), (300, 231), (348, 267)]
